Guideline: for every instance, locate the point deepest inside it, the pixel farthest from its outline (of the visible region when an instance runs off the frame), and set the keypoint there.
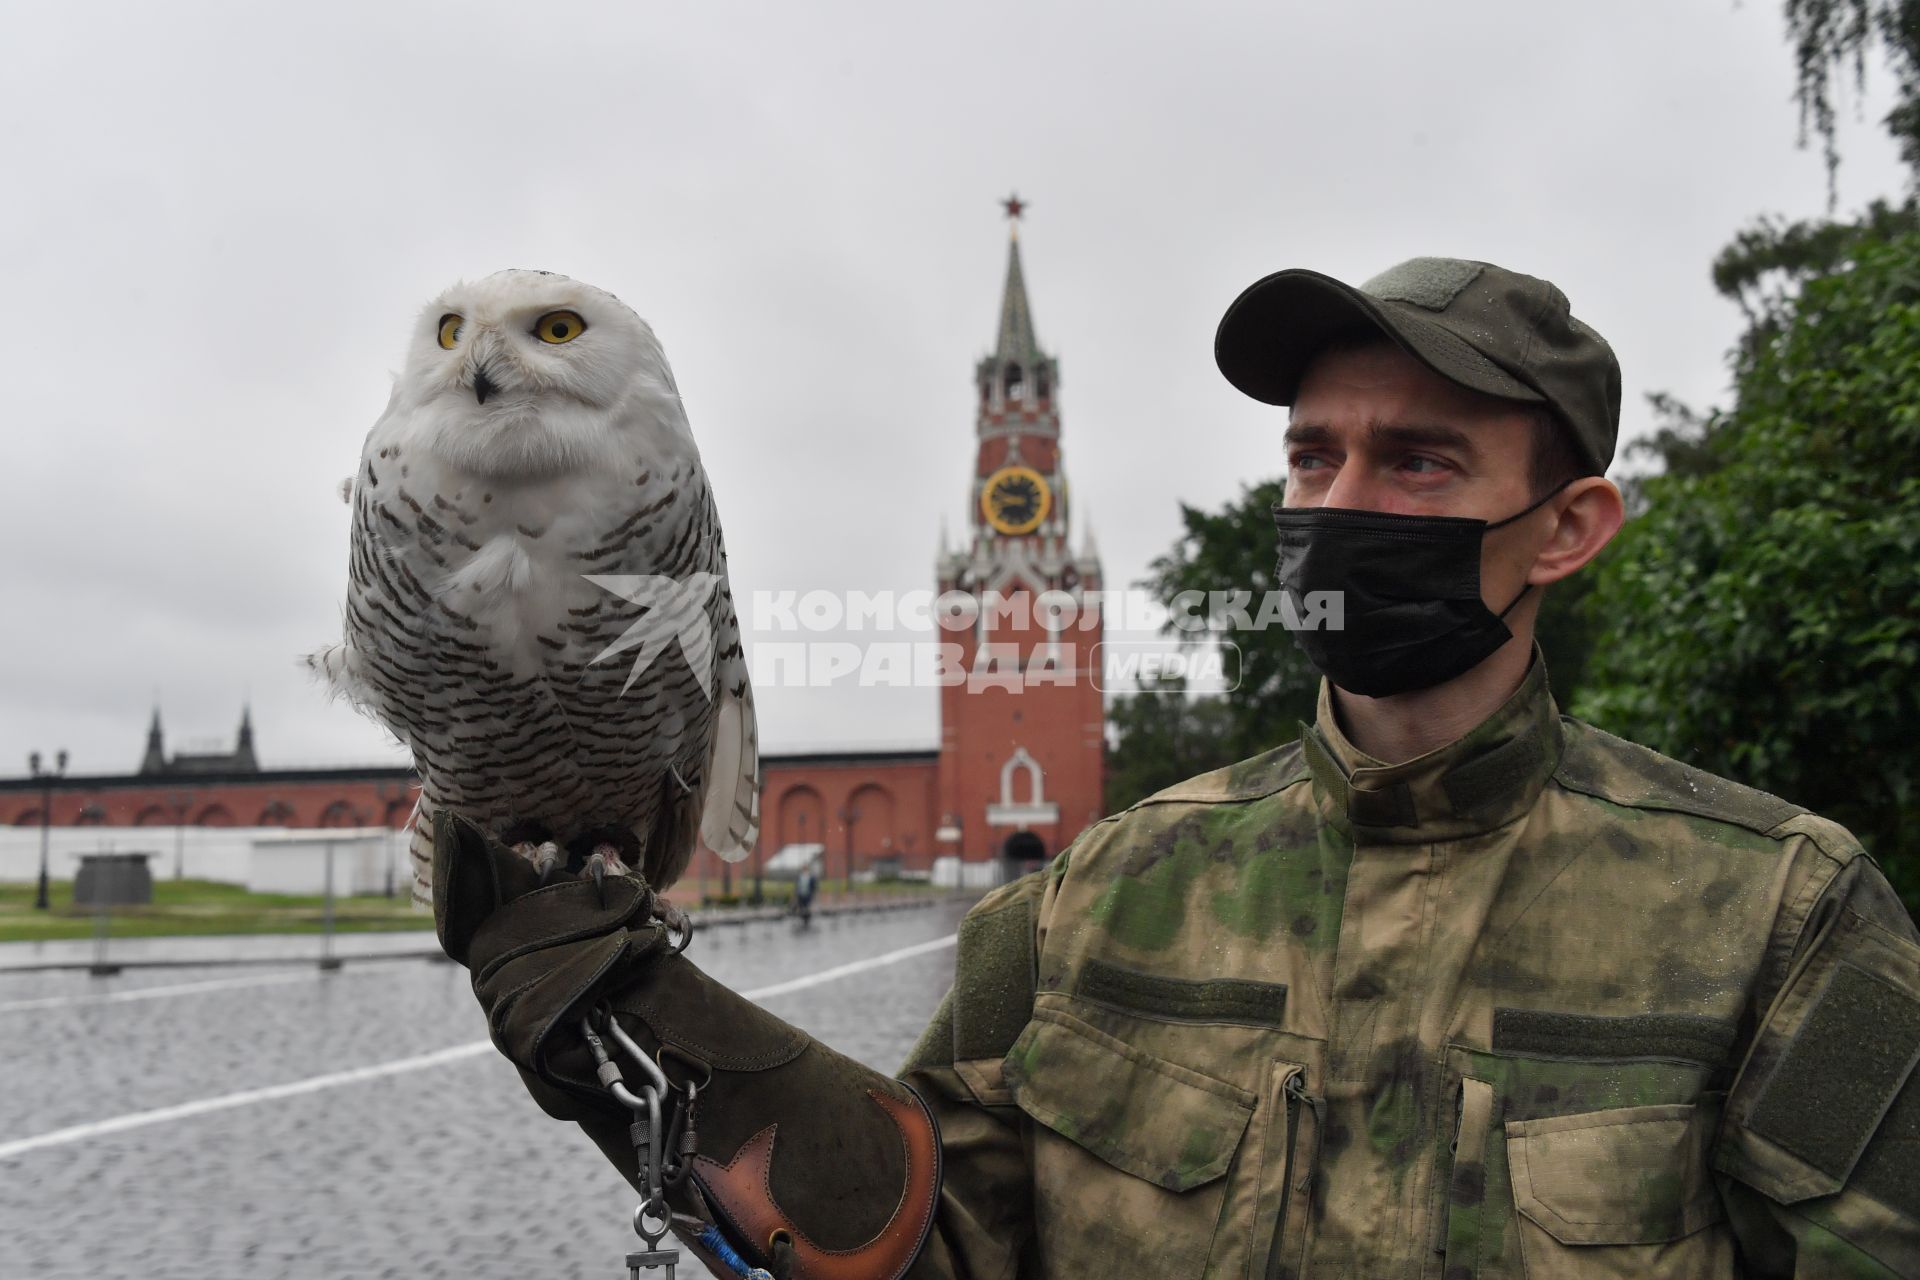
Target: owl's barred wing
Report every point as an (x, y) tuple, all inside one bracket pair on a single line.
[(685, 593), (730, 806), (420, 850)]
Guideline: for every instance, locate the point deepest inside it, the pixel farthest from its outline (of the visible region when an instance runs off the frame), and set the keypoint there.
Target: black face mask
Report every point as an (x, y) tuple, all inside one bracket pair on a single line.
[(1411, 584)]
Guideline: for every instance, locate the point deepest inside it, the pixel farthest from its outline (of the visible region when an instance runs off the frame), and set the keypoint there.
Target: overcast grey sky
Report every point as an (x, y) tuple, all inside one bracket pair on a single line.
[(222, 218)]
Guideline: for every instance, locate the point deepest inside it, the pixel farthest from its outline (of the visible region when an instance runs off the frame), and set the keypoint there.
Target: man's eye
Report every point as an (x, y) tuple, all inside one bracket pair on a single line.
[(1424, 466), (1307, 462)]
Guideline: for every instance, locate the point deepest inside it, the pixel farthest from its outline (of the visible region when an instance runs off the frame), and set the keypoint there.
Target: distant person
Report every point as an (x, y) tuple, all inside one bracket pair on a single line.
[(804, 887), (1450, 985)]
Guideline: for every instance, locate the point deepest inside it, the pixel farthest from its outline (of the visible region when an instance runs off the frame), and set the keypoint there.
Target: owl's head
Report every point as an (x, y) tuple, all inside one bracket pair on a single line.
[(530, 375)]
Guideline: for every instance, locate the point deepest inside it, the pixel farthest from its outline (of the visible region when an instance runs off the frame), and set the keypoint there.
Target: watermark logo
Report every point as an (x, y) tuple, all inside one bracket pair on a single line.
[(1054, 611), (1160, 666), (986, 640), (672, 611)]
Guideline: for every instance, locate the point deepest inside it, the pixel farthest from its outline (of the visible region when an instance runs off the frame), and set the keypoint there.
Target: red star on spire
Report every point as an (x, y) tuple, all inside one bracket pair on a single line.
[(1014, 206)]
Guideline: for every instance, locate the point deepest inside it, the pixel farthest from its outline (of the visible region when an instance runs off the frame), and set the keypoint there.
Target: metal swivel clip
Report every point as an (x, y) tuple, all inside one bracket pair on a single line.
[(651, 1218)]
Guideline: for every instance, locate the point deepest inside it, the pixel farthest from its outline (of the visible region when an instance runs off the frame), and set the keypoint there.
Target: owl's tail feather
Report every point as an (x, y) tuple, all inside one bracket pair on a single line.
[(730, 809)]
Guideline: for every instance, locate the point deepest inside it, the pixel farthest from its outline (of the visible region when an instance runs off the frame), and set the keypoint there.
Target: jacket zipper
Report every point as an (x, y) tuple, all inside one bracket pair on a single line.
[(1443, 1187), (1470, 1135), (1295, 1088)]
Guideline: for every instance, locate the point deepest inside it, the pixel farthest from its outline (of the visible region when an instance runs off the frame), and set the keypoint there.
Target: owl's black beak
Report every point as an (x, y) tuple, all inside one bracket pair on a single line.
[(483, 386)]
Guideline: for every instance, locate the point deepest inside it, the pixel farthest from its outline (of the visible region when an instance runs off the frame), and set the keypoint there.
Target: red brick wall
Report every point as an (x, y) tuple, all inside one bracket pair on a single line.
[(344, 801), (858, 808)]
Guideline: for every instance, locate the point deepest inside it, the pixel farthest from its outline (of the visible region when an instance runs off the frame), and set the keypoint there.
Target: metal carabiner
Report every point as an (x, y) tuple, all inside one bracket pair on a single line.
[(609, 1071), (655, 1075), (651, 1172)]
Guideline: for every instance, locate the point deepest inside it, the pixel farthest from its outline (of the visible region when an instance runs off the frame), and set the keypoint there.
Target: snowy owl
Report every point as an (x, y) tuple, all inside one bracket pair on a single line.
[(537, 600)]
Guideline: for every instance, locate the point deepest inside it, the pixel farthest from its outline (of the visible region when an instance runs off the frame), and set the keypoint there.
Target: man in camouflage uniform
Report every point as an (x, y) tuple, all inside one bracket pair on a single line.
[(1450, 986)]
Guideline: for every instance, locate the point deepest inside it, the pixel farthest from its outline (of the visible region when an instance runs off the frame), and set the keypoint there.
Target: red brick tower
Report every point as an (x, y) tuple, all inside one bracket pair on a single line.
[(1023, 735)]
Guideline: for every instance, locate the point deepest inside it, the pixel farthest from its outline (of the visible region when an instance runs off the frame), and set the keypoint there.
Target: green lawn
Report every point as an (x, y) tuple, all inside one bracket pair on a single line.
[(209, 906), (200, 907)]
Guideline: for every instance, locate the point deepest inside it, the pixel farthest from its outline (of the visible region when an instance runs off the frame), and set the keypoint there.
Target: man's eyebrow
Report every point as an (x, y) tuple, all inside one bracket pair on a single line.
[(1307, 433), (1415, 434), (1383, 435)]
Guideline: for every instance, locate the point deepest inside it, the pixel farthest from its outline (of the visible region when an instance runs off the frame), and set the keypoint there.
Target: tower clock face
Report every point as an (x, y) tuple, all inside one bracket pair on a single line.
[(1015, 500)]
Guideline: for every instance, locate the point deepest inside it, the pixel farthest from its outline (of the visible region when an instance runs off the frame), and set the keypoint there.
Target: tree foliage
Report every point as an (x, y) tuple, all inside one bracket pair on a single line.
[(1758, 617), (1831, 41), (1764, 265), (1165, 736), (1762, 614), (1235, 549)]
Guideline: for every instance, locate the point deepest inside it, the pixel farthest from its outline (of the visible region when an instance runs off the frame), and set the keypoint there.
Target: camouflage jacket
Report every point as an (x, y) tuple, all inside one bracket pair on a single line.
[(1540, 1003)]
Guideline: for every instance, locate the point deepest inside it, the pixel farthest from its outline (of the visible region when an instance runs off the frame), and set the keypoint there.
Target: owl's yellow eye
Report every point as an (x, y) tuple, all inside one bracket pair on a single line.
[(559, 326), (450, 326)]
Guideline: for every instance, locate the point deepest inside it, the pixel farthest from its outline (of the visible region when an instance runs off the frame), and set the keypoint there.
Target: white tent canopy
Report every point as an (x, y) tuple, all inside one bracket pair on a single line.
[(791, 859)]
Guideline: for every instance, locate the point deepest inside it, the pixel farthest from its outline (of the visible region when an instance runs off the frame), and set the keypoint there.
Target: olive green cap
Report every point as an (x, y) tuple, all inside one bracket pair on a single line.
[(1477, 325)]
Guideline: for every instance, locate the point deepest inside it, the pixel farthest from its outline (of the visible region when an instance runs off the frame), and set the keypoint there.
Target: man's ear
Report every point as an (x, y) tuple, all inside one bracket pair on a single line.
[(1588, 516)]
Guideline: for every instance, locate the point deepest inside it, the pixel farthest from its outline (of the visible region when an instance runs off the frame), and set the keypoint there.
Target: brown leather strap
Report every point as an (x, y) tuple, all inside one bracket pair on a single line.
[(741, 1191)]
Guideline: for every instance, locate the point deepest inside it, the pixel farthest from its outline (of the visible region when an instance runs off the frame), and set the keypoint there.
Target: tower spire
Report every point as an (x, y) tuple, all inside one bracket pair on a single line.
[(1017, 343), (155, 758), (243, 757)]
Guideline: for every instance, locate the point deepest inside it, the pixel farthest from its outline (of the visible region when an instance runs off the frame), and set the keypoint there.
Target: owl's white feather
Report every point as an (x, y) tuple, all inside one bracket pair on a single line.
[(507, 471)]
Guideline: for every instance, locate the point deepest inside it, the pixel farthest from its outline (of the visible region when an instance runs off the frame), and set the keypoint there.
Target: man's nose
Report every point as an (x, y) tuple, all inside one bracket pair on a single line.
[(1353, 488)]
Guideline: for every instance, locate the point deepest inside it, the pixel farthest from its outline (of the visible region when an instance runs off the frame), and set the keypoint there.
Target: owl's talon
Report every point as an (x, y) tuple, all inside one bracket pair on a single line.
[(605, 861), (544, 856)]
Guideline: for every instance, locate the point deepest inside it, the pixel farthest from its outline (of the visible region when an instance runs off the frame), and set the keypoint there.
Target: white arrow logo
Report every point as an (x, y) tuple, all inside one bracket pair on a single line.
[(670, 611)]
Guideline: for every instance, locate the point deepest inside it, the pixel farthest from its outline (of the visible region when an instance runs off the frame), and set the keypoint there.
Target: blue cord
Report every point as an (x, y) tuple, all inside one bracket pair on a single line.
[(711, 1238)]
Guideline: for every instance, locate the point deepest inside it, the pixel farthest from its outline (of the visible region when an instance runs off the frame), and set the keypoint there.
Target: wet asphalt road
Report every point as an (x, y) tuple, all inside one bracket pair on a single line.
[(446, 1169)]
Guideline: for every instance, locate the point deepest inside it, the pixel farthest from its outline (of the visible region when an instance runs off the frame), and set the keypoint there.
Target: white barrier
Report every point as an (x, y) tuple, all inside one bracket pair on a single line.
[(953, 872), (296, 861), (207, 853)]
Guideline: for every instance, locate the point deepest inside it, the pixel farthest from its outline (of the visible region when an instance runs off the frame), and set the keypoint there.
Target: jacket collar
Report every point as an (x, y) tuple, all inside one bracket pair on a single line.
[(1484, 779)]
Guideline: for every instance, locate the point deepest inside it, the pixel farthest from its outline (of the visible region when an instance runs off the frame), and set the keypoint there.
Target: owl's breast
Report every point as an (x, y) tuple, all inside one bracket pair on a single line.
[(501, 664)]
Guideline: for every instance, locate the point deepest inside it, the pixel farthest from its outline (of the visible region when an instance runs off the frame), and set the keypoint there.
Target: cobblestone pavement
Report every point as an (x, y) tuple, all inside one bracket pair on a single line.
[(450, 1170)]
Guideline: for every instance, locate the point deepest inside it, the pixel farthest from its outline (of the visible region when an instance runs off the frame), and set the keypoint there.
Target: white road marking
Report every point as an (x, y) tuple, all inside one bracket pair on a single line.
[(227, 1101), (174, 989), (848, 970), (401, 1066)]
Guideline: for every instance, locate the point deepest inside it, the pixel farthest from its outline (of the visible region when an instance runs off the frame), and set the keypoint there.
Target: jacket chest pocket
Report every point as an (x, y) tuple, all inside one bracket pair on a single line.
[(1130, 1151), (1623, 1192)]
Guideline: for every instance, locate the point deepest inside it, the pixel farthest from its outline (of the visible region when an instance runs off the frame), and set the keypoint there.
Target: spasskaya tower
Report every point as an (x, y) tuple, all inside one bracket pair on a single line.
[(1022, 739)]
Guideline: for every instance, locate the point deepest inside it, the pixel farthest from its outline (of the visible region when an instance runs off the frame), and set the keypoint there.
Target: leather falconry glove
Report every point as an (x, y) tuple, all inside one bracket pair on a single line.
[(810, 1164)]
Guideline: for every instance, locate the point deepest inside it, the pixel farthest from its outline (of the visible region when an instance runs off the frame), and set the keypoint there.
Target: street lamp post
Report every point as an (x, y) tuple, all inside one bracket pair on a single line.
[(358, 819), (390, 795), (328, 961), (182, 800), (47, 778), (848, 815)]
